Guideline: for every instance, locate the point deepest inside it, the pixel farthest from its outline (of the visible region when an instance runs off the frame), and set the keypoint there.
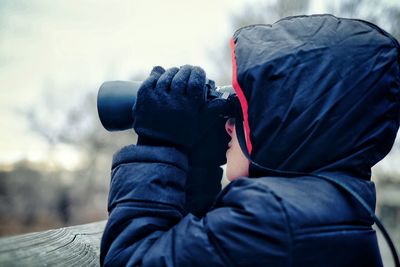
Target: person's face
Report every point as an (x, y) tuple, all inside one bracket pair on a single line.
[(237, 164)]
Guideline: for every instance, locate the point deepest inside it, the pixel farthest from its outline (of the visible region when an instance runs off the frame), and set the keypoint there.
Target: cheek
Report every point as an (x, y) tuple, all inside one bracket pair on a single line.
[(237, 164)]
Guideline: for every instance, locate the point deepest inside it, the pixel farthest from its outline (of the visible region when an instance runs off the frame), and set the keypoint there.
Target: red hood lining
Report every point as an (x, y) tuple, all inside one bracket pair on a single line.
[(241, 96)]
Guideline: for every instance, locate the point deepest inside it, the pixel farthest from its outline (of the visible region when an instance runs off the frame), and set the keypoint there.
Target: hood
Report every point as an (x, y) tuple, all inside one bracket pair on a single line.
[(318, 93)]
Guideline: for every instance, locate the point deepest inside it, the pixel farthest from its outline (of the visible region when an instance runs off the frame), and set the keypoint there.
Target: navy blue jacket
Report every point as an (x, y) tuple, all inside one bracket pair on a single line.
[(319, 95)]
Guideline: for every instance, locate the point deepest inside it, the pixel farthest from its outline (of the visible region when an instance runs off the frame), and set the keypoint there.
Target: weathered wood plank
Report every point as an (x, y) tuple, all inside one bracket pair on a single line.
[(70, 246)]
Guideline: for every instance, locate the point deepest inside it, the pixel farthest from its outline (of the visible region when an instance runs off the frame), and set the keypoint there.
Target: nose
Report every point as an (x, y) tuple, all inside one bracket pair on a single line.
[(230, 123)]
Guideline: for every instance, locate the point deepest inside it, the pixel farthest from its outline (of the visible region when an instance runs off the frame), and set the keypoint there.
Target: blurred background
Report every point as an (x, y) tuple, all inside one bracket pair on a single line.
[(54, 154)]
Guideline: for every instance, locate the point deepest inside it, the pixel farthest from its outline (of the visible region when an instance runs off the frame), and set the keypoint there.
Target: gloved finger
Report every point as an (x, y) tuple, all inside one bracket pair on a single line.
[(164, 82), (180, 80), (196, 85), (155, 74), (219, 108), (157, 71)]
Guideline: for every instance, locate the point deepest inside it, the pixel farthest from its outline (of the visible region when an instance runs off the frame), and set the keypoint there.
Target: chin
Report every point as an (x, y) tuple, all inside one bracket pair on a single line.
[(231, 175), (232, 179)]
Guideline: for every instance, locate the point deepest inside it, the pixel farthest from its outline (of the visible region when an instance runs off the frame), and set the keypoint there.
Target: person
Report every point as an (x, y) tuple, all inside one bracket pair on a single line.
[(319, 97)]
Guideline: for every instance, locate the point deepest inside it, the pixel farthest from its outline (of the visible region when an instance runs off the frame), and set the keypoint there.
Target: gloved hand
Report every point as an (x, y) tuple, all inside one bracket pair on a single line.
[(210, 148), (169, 107), (207, 155)]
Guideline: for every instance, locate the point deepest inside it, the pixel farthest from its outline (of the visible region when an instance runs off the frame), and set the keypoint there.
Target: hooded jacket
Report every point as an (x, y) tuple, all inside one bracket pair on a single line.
[(319, 95)]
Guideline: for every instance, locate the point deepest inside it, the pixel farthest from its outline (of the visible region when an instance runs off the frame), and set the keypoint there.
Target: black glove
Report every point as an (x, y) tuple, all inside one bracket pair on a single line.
[(210, 148), (205, 158), (169, 107)]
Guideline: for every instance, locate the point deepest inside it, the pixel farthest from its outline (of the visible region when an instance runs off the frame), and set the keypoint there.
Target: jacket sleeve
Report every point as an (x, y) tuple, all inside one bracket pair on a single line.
[(146, 203), (147, 224), (202, 187)]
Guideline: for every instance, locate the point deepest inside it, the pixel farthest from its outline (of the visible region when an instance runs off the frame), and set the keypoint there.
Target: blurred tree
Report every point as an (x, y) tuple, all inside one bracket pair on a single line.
[(96, 146), (83, 197), (28, 198)]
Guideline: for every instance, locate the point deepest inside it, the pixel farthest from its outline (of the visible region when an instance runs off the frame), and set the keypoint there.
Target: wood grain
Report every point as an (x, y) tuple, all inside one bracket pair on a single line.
[(70, 246)]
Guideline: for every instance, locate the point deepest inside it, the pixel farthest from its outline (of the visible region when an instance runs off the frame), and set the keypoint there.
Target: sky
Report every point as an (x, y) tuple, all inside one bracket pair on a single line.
[(54, 52), (59, 50)]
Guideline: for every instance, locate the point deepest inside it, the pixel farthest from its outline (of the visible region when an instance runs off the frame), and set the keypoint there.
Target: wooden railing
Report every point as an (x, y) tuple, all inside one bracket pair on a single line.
[(76, 246), (70, 246)]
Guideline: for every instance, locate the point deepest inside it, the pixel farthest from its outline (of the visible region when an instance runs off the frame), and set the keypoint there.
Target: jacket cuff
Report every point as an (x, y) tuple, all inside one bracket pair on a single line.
[(148, 174), (150, 154), (202, 187)]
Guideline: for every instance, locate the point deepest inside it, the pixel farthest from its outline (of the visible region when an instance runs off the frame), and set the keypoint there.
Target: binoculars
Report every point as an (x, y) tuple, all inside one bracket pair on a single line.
[(116, 99)]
